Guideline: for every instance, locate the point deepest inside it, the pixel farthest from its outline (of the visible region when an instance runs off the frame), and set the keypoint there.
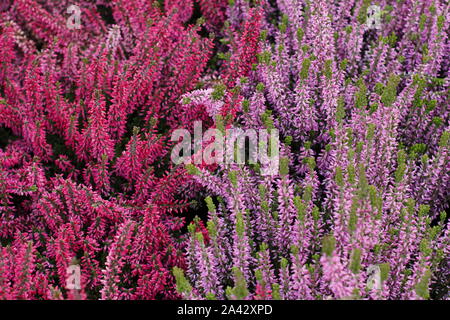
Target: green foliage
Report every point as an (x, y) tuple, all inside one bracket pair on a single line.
[(232, 175), (339, 177), (192, 169), (240, 291), (284, 166), (267, 120), (307, 193), (210, 204), (353, 219), (445, 138), (301, 208), (245, 105), (440, 23), (389, 94), (300, 35), (327, 69), (401, 166), (421, 287), (219, 91), (306, 63), (361, 96), (385, 269), (362, 14), (340, 110), (212, 229), (240, 226), (276, 291), (260, 87)]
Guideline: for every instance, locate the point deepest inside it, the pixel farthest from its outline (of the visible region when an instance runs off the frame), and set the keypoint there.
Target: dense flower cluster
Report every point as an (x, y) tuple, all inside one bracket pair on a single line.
[(356, 211), (85, 120)]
